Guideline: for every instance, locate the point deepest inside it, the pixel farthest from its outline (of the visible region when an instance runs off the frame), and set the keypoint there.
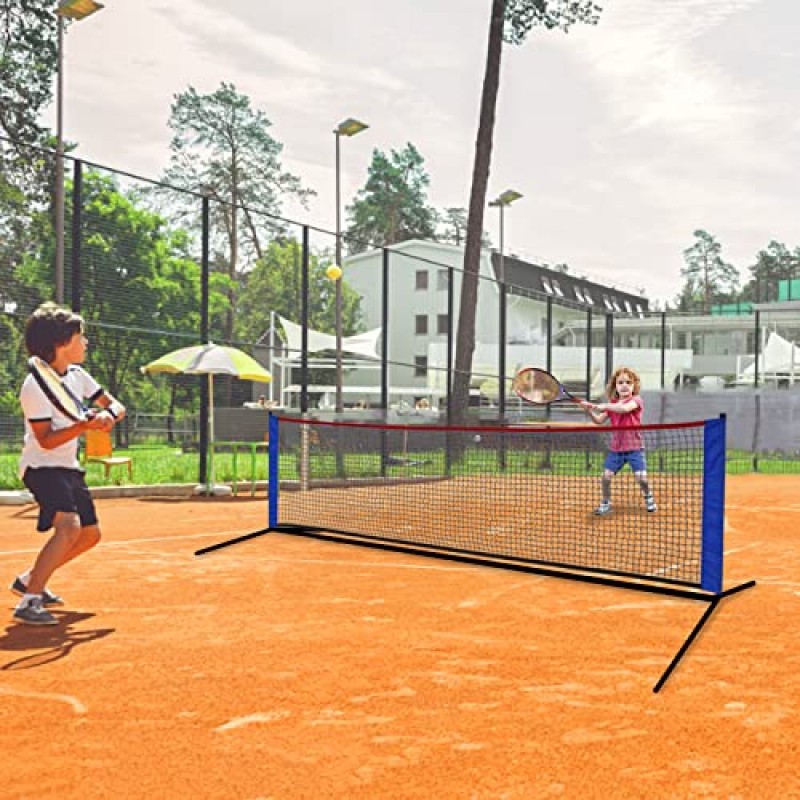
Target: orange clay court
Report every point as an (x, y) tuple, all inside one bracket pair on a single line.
[(287, 667)]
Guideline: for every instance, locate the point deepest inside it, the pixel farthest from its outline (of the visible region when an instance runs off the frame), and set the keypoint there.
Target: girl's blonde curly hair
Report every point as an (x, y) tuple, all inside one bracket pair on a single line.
[(611, 386)]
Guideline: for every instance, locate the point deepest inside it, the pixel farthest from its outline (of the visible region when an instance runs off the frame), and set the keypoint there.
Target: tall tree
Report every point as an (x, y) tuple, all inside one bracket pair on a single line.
[(773, 264), (28, 62), (140, 288), (392, 206), (708, 278), (13, 365), (453, 228), (510, 21), (222, 144)]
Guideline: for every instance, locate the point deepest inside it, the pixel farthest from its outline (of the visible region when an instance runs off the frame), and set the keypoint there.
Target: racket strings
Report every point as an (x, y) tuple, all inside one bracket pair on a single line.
[(56, 390)]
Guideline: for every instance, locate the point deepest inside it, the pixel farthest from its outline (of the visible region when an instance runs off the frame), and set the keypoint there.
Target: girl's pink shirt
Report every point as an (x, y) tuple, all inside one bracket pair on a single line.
[(624, 436)]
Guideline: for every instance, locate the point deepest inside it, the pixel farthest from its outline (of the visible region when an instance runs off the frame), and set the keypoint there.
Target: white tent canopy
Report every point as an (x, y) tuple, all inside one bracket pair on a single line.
[(780, 357), (364, 345)]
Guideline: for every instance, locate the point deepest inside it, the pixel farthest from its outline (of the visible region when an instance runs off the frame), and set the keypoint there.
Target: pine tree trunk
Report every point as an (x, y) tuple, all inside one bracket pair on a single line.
[(465, 336)]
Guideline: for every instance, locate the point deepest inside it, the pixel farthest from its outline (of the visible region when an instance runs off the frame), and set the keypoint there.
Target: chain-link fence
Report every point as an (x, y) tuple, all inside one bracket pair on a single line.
[(154, 268)]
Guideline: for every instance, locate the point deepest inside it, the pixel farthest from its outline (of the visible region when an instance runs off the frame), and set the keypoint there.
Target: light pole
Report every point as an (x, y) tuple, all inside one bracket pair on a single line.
[(350, 127), (505, 199), (77, 10)]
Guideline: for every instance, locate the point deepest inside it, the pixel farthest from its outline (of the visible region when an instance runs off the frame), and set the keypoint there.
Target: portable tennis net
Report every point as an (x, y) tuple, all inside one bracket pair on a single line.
[(520, 497)]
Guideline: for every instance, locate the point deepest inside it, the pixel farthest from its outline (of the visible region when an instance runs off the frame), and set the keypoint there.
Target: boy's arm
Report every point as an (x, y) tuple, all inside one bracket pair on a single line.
[(112, 411), (49, 437), (109, 403)]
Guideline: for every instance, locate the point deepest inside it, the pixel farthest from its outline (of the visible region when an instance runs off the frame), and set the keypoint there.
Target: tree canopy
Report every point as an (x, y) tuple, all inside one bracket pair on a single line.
[(709, 278), (773, 264), (140, 289), (28, 62), (392, 205), (274, 285), (222, 146)]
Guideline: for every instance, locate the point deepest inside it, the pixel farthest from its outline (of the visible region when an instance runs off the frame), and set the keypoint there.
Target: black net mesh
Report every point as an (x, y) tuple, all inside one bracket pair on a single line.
[(524, 493)]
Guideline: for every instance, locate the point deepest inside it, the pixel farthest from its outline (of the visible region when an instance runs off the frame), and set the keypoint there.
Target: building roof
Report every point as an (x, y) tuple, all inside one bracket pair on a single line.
[(524, 277), (698, 323), (527, 279), (779, 305)]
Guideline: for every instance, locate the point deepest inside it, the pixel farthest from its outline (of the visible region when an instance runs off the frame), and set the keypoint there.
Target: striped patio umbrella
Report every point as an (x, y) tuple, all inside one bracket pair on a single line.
[(210, 359)]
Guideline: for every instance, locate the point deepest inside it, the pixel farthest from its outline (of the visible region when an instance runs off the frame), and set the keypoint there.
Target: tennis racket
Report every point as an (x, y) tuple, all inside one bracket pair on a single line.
[(539, 387), (59, 395)]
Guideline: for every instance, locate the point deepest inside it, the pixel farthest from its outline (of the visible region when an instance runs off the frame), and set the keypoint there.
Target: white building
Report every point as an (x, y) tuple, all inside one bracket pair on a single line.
[(418, 317), (721, 345)]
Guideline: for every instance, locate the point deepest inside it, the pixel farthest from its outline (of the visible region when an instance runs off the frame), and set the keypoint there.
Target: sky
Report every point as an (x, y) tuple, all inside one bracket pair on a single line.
[(624, 138)]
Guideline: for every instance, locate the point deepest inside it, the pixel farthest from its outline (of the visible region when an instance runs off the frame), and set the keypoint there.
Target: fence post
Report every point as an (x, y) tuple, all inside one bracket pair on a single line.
[(204, 332), (304, 324), (501, 371), (450, 309), (663, 350), (448, 461), (588, 352), (77, 239), (549, 332), (757, 347), (385, 357), (385, 331)]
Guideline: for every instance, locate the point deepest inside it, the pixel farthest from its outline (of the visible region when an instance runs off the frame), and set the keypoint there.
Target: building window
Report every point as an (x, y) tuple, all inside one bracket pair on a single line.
[(607, 302), (557, 288), (578, 294), (443, 280), (442, 324), (421, 324), (588, 297), (547, 287), (421, 281), (420, 366), (628, 307)]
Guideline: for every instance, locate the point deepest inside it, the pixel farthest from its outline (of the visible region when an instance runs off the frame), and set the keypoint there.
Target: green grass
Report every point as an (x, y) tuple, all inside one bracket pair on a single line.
[(162, 464)]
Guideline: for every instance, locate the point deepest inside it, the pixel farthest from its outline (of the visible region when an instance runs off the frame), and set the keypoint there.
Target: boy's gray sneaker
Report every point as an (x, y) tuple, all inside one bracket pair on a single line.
[(603, 509), (34, 614), (48, 598), (650, 503)]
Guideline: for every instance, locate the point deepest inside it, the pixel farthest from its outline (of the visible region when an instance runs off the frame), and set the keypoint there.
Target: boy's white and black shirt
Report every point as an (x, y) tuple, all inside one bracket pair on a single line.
[(37, 408)]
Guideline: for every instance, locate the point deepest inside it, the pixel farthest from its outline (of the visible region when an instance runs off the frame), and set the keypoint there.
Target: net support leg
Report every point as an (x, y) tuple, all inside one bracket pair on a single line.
[(228, 542), (273, 437), (712, 606)]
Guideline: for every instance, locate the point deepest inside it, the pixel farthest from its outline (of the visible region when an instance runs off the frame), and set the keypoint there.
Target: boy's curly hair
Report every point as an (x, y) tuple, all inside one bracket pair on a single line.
[(49, 326)]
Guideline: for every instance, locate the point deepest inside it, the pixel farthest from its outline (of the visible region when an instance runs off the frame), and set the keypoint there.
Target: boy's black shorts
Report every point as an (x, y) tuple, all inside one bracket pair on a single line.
[(58, 489)]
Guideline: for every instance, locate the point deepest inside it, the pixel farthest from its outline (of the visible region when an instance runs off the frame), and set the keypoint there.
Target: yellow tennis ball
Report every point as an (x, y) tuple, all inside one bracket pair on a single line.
[(334, 272)]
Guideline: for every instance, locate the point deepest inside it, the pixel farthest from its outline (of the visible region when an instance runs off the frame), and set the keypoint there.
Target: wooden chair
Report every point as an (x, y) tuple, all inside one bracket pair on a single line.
[(99, 448)]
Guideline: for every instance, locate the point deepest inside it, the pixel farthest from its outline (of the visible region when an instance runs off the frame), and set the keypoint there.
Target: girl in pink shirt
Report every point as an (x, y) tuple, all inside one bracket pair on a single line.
[(627, 446)]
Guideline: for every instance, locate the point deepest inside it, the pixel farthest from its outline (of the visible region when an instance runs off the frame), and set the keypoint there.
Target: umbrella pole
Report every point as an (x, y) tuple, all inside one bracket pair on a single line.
[(210, 482), (211, 489)]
